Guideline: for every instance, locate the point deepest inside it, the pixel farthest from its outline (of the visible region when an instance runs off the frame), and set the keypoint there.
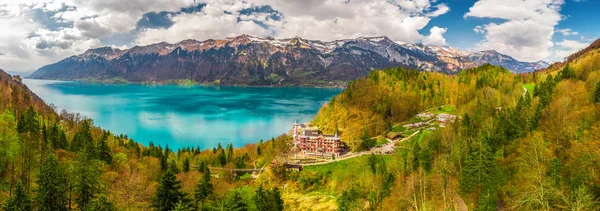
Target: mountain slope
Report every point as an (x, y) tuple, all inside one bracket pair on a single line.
[(248, 60)]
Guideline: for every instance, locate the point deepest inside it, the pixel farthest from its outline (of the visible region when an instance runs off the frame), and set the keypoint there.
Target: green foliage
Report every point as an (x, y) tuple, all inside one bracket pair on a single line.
[(597, 93), (477, 166), (57, 137), (268, 200), (235, 202), (19, 201), (28, 122), (51, 193), (86, 180), (204, 189), (567, 72), (83, 140), (168, 193), (186, 165), (104, 153), (101, 203), (367, 141), (9, 140), (349, 200), (183, 206)]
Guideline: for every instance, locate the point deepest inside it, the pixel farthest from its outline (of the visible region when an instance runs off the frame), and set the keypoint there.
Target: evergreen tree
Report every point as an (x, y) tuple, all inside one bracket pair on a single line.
[(258, 151), (186, 165), (367, 141), (44, 144), (168, 192), (9, 141), (268, 199), (204, 189), (86, 179), (28, 122), (349, 200), (260, 199), (104, 153), (235, 202), (416, 154), (222, 158), (275, 200), (101, 203), (19, 201), (201, 166), (164, 161), (229, 153), (597, 93), (567, 72), (182, 206), (51, 194), (477, 166)]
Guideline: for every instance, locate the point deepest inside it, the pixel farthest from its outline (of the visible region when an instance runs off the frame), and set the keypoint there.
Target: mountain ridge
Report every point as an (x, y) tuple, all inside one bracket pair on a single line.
[(251, 60)]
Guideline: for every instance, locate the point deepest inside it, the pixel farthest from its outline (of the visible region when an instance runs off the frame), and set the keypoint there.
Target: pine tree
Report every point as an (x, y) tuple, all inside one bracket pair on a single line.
[(164, 164), (104, 153), (235, 202), (477, 166), (229, 153), (204, 189), (19, 201), (260, 199), (51, 194), (168, 192), (268, 199), (222, 158), (101, 203), (275, 200), (183, 206), (28, 122), (597, 93), (186, 165), (86, 180)]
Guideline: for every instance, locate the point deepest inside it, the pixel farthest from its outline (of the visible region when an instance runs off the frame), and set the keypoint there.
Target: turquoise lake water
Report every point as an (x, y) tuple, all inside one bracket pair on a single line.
[(182, 116)]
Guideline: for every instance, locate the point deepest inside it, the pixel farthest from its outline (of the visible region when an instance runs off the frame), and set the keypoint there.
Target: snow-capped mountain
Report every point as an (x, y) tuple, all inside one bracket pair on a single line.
[(250, 60)]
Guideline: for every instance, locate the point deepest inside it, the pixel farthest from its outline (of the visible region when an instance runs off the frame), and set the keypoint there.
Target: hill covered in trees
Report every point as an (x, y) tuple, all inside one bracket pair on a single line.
[(525, 141)]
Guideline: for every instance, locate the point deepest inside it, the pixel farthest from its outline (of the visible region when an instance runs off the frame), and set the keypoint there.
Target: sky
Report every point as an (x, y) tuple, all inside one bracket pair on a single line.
[(34, 33)]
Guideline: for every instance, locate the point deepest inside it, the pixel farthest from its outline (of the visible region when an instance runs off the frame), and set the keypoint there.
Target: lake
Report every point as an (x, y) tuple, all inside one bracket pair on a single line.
[(182, 116)]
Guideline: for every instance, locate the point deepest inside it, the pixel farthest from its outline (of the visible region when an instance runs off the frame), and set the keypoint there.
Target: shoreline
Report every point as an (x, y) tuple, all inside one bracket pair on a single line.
[(186, 84)]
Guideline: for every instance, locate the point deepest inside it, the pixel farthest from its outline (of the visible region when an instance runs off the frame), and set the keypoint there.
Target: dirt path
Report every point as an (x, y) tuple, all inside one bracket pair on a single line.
[(460, 203)]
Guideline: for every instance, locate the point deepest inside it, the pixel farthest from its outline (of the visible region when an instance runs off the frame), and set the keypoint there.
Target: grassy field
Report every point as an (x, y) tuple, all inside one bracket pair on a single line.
[(529, 87), (424, 133), (343, 170), (447, 109)]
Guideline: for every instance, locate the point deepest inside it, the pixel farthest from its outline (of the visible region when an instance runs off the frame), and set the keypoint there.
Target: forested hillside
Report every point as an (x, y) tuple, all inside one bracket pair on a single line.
[(51, 161), (524, 142)]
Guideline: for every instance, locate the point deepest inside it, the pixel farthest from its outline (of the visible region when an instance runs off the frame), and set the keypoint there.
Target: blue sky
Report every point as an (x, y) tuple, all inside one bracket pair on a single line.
[(579, 17), (39, 32)]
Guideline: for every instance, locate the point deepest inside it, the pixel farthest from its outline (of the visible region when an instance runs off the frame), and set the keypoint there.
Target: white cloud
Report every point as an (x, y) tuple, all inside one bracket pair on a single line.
[(311, 19), (527, 28), (568, 47), (84, 23), (28, 45), (567, 32), (436, 36)]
